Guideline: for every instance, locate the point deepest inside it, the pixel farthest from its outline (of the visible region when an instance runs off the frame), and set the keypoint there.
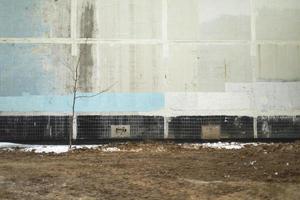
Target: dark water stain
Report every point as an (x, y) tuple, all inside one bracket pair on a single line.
[(86, 60), (259, 61), (86, 68), (87, 22)]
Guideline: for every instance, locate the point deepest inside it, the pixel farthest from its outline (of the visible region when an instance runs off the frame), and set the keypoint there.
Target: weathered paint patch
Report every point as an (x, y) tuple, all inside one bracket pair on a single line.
[(21, 71), (34, 18), (33, 69), (21, 18), (107, 102)]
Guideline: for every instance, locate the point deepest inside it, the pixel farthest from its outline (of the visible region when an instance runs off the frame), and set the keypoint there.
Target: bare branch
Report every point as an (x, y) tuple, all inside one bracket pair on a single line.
[(70, 69), (101, 92)]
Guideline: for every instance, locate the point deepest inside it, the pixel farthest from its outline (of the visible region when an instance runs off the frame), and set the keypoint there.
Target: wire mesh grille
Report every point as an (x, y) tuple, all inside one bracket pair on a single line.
[(141, 127), (34, 128), (47, 128), (278, 127), (190, 127)]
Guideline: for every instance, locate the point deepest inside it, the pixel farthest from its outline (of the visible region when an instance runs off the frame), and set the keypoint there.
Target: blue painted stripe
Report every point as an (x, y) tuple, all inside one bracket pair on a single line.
[(109, 102)]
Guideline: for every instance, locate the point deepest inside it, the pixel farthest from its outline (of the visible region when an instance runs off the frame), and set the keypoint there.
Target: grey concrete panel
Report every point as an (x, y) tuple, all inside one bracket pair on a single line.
[(206, 68), (209, 20), (132, 68), (121, 19), (278, 62), (278, 20)]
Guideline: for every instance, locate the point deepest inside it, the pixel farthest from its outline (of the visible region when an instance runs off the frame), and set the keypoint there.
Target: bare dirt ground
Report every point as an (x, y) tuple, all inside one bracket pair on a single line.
[(155, 171)]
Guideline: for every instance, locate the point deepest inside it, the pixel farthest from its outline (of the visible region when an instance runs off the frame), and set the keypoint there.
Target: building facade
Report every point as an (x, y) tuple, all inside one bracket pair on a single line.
[(183, 69)]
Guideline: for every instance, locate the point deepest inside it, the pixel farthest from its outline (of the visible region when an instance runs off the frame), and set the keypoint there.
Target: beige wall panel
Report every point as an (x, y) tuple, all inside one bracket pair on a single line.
[(132, 68), (278, 20), (207, 67), (122, 19), (278, 62), (209, 20), (57, 15)]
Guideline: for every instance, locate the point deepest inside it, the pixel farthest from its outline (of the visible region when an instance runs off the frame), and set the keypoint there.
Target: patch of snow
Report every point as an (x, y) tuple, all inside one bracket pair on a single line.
[(218, 145), (46, 148), (64, 148), (136, 150), (9, 145), (223, 145), (57, 149), (111, 149)]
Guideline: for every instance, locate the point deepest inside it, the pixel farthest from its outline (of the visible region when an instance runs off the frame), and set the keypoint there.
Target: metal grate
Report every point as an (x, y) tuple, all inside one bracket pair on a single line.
[(56, 128), (278, 127), (34, 128), (141, 127), (190, 127)]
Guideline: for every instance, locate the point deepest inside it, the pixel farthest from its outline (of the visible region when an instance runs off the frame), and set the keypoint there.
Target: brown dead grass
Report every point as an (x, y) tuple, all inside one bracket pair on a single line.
[(159, 171)]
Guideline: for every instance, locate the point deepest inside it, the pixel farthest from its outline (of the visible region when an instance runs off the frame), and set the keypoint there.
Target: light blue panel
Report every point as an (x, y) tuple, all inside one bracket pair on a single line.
[(21, 18), (107, 102), (21, 70)]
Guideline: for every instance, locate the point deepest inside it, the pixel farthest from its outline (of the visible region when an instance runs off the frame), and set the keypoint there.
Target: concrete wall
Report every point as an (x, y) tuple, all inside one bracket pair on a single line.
[(164, 57)]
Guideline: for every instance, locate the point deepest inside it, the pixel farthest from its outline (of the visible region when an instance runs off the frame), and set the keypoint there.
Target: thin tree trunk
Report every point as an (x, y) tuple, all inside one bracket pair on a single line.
[(75, 97), (76, 77)]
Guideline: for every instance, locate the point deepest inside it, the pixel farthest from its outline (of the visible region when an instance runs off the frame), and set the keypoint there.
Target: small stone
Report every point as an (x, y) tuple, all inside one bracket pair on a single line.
[(269, 178)]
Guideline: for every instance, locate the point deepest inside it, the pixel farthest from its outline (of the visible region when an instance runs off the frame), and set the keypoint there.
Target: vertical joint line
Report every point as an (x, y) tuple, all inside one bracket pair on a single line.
[(74, 128), (255, 127), (165, 42), (253, 52), (166, 127), (74, 4), (165, 28)]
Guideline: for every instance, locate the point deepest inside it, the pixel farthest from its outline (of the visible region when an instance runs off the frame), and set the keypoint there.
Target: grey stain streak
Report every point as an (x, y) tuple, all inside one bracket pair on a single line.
[(259, 61), (86, 68), (87, 22), (86, 61)]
